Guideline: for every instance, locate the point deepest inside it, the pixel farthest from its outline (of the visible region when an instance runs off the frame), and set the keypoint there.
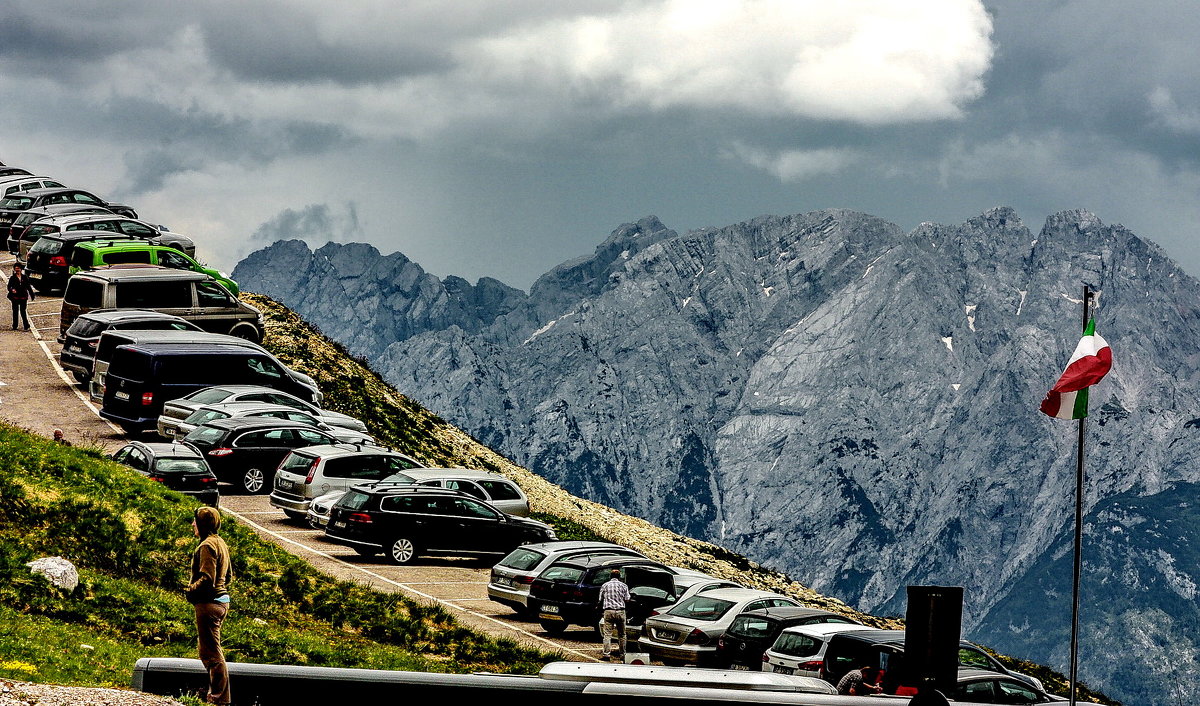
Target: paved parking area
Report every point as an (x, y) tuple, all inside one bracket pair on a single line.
[(36, 394)]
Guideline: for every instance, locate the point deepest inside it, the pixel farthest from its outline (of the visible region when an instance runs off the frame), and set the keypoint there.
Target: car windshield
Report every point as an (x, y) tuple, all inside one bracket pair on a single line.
[(702, 608), (209, 395), (180, 465)]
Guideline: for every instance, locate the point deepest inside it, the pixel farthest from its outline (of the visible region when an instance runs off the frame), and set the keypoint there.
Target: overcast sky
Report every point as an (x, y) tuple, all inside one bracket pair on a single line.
[(501, 138)]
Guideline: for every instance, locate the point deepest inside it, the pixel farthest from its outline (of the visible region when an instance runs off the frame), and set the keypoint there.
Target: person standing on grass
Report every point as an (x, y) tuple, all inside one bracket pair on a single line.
[(613, 596), (209, 593), (20, 294)]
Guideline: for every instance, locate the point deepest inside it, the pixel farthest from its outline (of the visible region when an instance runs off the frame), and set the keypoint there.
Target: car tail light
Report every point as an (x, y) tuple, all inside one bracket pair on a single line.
[(58, 261), (721, 642), (159, 479), (697, 637), (147, 398), (818, 666), (765, 658), (654, 613), (312, 470), (208, 479), (528, 580), (577, 593), (361, 517), (93, 344), (220, 452)]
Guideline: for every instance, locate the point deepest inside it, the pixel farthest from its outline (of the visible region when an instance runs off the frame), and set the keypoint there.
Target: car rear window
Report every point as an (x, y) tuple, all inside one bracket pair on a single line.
[(35, 231), (47, 246), (16, 203), (205, 436), (180, 465), (752, 626), (296, 463), (564, 574), (154, 295), (83, 292), (130, 364), (522, 559), (84, 327), (354, 500), (499, 490), (796, 645), (209, 395), (201, 416), (702, 608)]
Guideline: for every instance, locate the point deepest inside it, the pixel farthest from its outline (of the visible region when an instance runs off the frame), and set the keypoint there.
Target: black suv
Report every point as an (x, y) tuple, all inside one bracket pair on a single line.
[(408, 521), (49, 261), (568, 591), (246, 451), (752, 632)]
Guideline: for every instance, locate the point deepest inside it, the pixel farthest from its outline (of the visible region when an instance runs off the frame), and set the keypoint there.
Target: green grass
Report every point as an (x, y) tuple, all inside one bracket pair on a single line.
[(131, 541)]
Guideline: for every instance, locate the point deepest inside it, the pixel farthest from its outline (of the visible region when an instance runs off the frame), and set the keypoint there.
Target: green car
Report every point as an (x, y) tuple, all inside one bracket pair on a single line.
[(98, 253)]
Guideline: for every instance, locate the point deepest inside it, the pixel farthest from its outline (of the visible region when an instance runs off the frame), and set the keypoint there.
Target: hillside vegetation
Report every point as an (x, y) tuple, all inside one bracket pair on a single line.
[(131, 540)]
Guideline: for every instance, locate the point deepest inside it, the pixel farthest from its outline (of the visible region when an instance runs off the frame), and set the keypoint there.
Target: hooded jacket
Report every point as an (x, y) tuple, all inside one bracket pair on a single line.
[(211, 570)]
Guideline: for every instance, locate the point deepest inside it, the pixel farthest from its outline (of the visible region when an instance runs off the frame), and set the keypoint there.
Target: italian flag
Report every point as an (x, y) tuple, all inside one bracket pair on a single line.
[(1090, 362)]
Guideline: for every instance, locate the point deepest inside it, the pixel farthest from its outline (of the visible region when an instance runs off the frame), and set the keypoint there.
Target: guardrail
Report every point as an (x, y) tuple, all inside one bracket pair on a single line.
[(285, 685)]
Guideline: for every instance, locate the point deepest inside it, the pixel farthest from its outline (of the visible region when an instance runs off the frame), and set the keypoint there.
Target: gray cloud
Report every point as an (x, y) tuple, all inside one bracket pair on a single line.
[(315, 224)]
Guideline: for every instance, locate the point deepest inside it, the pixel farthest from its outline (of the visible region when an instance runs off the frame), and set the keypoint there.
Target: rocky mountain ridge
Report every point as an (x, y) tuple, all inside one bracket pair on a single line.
[(822, 392)]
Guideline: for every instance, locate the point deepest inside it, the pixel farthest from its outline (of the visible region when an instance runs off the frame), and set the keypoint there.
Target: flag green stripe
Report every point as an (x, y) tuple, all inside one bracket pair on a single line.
[(1081, 404)]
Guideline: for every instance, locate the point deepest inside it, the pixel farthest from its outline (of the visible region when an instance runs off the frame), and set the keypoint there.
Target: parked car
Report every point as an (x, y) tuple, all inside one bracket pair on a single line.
[(493, 488), (20, 183), (247, 450), (291, 380), (567, 591), (20, 225), (830, 650), (98, 253), (234, 410), (753, 631), (981, 686), (406, 521), (221, 394), (39, 223), (688, 631), (190, 295), (331, 470), (176, 466), (687, 584), (512, 576), (17, 201), (48, 262), (78, 354), (142, 377), (13, 172)]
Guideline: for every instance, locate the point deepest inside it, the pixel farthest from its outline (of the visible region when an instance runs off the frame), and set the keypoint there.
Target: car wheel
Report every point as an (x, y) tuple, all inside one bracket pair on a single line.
[(554, 627), (246, 331), (81, 377), (294, 516), (254, 481), (401, 551)]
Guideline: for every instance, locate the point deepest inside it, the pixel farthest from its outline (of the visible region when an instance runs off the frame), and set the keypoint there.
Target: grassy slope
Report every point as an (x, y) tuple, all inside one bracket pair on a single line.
[(131, 540)]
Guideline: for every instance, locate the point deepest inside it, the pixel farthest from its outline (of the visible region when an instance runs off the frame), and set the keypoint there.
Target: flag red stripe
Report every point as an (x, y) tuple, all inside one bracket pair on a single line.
[(1085, 372)]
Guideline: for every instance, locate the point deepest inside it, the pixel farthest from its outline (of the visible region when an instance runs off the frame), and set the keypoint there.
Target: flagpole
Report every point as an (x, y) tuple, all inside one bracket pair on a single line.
[(1087, 295)]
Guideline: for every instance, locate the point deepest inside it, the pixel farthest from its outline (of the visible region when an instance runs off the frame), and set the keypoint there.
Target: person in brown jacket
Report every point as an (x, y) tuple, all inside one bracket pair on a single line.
[(209, 593)]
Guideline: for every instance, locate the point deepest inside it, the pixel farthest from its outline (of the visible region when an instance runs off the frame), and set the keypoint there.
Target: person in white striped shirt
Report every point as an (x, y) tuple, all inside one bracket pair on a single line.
[(613, 595)]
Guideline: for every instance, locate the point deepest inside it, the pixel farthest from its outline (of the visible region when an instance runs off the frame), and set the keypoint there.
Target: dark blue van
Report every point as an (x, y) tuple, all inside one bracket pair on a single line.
[(141, 377)]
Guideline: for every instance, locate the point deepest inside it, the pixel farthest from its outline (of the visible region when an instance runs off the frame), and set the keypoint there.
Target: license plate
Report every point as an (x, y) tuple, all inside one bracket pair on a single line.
[(34, 275), (75, 349), (122, 395), (283, 484), (339, 523), (739, 667), (666, 634), (783, 670), (550, 609)]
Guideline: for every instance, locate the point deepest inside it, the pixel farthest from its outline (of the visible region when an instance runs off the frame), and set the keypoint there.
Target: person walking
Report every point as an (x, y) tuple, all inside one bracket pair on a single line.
[(20, 294), (208, 591), (613, 596)]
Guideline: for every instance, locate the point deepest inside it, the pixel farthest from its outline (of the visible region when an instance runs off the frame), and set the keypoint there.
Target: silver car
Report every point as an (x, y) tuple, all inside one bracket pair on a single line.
[(315, 471), (177, 410), (688, 631)]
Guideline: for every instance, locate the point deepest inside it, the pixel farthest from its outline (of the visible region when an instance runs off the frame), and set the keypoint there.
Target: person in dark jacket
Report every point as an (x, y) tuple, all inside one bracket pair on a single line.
[(20, 294), (209, 593)]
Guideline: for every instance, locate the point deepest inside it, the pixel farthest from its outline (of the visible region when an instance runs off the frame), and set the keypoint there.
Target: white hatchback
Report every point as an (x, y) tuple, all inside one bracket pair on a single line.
[(689, 630)]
